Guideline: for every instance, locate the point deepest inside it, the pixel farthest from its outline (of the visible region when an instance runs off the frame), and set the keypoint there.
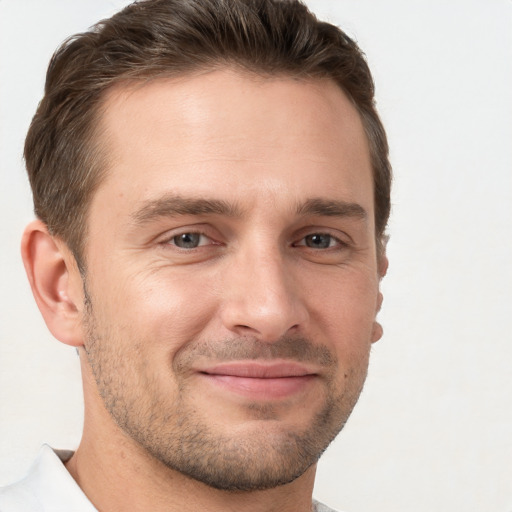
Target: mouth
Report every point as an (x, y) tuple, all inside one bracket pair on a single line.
[(260, 380)]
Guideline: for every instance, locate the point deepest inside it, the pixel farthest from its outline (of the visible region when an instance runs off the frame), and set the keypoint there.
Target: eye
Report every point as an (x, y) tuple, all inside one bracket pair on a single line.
[(319, 241), (189, 240)]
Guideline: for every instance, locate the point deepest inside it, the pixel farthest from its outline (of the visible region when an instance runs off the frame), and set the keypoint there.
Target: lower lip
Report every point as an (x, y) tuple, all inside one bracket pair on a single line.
[(261, 389)]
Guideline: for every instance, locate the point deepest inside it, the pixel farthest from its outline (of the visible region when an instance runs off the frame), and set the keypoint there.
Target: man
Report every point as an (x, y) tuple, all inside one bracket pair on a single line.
[(211, 184)]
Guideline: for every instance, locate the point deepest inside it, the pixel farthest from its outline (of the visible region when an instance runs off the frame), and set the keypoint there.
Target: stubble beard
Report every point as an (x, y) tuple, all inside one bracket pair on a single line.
[(180, 437)]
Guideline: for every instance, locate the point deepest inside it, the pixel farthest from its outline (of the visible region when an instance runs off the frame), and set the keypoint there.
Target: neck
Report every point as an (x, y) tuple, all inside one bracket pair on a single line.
[(116, 477)]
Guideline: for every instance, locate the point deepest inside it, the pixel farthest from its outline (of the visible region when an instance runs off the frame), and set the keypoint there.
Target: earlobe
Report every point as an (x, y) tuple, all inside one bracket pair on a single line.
[(55, 282), (377, 330), (383, 264)]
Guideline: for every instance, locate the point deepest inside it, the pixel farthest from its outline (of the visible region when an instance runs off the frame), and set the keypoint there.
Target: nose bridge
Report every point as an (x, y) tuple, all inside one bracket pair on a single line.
[(263, 299)]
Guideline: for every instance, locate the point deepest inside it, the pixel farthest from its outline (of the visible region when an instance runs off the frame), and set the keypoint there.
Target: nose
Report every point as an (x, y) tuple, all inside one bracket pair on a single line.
[(261, 297)]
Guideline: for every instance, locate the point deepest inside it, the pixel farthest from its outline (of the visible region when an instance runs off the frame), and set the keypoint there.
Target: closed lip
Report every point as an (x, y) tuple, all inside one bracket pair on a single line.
[(260, 369), (260, 380)]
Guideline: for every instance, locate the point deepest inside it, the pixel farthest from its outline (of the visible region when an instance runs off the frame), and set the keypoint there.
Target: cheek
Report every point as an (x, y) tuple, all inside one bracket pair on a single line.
[(345, 313), (159, 309), (344, 317)]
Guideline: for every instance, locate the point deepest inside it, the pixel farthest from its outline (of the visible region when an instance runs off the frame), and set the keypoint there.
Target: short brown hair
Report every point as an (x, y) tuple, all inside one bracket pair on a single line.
[(155, 38)]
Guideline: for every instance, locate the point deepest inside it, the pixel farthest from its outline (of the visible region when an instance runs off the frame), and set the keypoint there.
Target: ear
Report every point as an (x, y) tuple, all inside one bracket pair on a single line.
[(55, 281), (382, 268)]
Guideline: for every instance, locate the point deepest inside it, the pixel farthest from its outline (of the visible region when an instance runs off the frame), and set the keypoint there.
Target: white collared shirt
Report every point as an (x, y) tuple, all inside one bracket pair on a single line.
[(48, 487)]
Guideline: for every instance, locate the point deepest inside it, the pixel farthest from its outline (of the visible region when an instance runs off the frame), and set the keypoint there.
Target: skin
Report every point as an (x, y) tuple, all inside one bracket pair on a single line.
[(254, 334)]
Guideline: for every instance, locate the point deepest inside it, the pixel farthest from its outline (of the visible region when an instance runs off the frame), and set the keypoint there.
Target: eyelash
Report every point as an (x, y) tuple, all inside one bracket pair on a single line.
[(302, 242), (171, 241), (339, 244)]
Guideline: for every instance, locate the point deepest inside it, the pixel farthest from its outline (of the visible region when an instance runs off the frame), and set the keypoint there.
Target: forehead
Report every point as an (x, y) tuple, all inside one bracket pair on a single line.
[(228, 131)]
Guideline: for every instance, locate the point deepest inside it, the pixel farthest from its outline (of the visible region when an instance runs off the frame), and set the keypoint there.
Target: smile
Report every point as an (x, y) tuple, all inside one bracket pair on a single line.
[(260, 381)]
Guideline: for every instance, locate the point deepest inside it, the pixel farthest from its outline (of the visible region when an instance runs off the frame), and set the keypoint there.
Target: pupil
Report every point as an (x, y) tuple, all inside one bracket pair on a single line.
[(318, 241), (187, 240)]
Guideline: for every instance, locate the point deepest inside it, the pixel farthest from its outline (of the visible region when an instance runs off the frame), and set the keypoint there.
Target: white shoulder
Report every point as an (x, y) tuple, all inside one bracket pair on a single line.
[(320, 507), (47, 487)]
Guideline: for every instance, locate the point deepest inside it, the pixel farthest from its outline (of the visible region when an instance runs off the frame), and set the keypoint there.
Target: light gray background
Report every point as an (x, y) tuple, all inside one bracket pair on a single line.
[(433, 429)]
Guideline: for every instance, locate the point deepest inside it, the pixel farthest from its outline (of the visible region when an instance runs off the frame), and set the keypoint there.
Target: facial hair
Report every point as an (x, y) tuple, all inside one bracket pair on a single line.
[(173, 430)]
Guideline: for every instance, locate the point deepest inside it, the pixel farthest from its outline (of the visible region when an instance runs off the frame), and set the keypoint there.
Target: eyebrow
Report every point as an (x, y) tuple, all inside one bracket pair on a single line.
[(172, 206), (332, 208)]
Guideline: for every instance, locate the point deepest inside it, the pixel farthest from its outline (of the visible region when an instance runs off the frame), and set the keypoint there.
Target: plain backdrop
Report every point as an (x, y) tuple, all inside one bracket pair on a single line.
[(433, 428)]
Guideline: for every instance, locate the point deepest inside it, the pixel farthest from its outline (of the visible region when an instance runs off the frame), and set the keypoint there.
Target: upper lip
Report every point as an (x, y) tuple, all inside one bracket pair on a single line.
[(259, 369)]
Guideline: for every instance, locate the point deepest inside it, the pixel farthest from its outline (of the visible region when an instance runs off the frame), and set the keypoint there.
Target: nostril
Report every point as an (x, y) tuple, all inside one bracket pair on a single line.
[(241, 327)]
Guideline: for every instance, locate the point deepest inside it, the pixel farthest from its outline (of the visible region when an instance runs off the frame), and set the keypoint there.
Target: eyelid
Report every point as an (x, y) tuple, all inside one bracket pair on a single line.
[(167, 237), (339, 243), (341, 237), (202, 236)]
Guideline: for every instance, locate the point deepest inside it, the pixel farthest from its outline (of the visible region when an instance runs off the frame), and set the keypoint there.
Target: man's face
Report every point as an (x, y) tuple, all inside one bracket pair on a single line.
[(232, 280)]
